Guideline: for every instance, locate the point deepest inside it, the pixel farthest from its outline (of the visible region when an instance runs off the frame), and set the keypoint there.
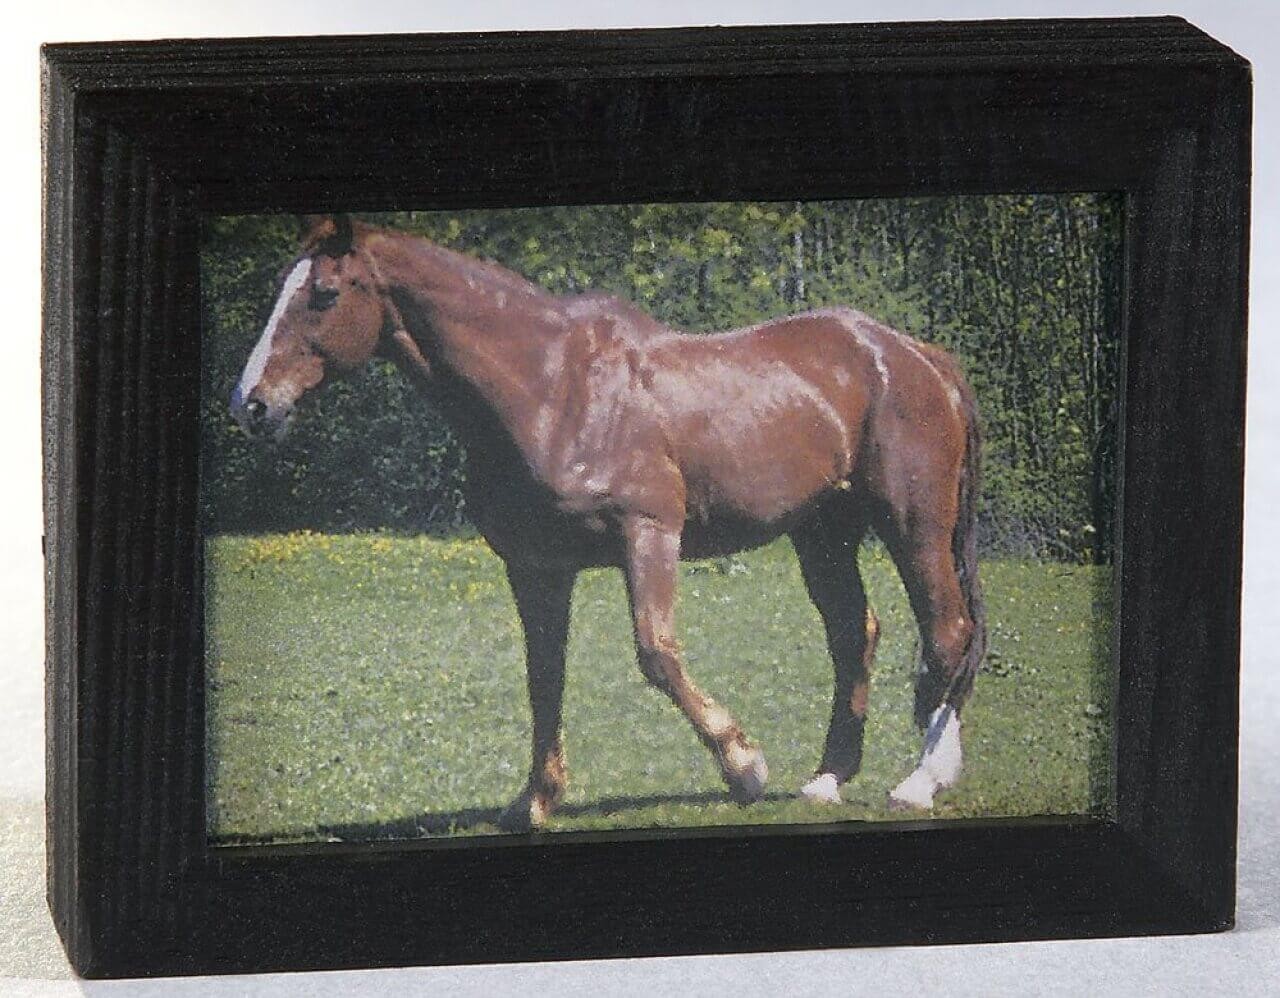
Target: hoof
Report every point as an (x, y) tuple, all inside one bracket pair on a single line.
[(746, 772), (915, 793), (823, 788), (527, 813), (941, 762)]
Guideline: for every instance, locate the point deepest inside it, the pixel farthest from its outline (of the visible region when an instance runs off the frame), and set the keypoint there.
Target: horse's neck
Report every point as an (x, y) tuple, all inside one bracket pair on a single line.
[(477, 323)]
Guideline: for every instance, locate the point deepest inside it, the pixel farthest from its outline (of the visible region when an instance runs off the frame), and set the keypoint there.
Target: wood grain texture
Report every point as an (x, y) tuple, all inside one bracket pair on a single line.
[(141, 138)]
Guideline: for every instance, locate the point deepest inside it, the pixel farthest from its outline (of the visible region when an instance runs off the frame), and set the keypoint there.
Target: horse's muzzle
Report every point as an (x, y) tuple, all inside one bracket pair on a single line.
[(257, 419)]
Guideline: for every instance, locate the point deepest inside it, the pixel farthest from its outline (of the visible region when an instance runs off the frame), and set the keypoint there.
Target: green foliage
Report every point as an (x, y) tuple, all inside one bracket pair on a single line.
[(369, 686), (1022, 288)]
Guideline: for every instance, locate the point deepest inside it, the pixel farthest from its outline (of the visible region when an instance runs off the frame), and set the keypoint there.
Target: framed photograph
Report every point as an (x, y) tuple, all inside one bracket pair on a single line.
[(365, 519), (542, 496)]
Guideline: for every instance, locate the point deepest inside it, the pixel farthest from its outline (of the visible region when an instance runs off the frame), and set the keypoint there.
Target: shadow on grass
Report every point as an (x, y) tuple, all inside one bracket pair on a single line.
[(468, 819)]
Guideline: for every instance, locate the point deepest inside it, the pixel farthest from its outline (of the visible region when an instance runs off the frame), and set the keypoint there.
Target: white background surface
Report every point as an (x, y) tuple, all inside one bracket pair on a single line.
[(1244, 961)]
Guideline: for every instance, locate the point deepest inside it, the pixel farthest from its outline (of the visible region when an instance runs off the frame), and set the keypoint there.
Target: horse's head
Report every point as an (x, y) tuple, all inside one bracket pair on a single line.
[(328, 318)]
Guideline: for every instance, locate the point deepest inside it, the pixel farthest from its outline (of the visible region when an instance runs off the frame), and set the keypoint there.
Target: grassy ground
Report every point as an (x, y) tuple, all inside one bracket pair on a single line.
[(369, 686)]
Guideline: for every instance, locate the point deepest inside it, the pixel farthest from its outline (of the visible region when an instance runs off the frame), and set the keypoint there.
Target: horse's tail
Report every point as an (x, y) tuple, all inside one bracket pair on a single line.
[(964, 547)]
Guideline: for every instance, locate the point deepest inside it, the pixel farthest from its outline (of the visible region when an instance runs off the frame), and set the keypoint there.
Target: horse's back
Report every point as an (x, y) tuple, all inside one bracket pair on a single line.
[(737, 434), (621, 318), (769, 418)]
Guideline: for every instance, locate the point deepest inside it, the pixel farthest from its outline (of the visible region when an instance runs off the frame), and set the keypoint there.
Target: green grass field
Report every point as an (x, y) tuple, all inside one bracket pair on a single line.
[(372, 686)]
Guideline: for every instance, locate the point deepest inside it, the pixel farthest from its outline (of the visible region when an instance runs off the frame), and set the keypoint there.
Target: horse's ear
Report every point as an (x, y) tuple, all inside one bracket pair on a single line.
[(330, 234)]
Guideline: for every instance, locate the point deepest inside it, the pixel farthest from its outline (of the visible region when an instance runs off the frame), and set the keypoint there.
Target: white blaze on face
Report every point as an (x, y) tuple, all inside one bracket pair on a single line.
[(257, 362)]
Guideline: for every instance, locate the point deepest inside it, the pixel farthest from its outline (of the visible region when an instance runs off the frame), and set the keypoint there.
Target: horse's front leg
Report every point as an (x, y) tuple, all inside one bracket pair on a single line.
[(542, 598), (652, 560)]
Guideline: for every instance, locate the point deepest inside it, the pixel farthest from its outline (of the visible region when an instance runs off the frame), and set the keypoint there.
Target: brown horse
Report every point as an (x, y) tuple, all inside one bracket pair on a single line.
[(596, 436)]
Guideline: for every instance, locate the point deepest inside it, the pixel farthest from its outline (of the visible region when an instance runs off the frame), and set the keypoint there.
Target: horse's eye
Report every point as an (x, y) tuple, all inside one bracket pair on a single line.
[(322, 298)]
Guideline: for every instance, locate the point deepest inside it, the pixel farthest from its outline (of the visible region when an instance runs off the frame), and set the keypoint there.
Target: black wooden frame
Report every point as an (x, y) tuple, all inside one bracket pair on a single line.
[(140, 139)]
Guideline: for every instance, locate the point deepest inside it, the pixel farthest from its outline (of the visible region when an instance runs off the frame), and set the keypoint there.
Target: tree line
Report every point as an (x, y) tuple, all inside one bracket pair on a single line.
[(1022, 288)]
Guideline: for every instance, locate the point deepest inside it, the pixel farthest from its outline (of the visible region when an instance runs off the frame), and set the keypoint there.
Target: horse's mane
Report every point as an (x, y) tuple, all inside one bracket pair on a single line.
[(486, 273)]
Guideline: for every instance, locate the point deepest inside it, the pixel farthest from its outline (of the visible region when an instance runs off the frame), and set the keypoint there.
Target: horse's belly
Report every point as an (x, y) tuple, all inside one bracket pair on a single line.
[(728, 534), (764, 482), (753, 494), (754, 470)]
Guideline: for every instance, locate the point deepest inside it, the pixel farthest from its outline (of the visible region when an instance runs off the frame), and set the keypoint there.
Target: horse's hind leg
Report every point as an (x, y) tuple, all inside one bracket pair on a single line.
[(828, 555), (927, 566), (542, 597), (652, 559)]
